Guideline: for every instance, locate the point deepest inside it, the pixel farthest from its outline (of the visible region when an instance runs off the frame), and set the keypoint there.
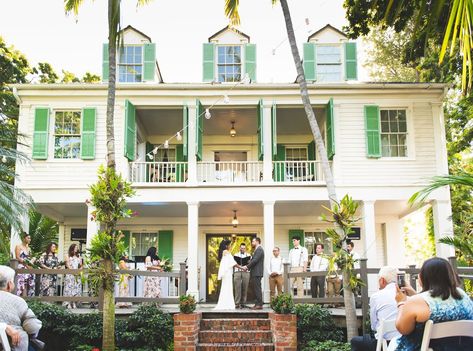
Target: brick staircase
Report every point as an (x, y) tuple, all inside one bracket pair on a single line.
[(243, 331)]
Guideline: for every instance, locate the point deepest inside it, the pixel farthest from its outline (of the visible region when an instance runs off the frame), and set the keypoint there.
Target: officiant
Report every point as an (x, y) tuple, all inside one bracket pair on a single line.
[(241, 278)]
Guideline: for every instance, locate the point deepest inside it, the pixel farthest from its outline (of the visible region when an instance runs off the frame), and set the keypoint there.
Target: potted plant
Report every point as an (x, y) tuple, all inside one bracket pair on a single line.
[(187, 304), (282, 304), (283, 322)]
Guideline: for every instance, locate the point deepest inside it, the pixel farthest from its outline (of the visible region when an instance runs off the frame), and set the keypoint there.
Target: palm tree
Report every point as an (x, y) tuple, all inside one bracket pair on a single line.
[(231, 11), (43, 230)]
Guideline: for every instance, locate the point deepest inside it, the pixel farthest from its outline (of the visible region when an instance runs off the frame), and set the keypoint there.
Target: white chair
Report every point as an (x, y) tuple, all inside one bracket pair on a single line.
[(386, 326), (3, 337), (445, 330)]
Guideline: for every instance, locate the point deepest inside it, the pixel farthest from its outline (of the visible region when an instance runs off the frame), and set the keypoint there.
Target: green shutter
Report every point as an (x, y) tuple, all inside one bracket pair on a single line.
[(87, 139), (181, 169), (149, 68), (309, 63), (105, 63), (185, 134), (250, 61), (199, 129), (126, 241), (330, 130), (293, 233), (130, 131), (279, 173), (373, 135), (41, 133), (165, 244), (149, 151), (311, 157), (208, 62), (350, 61), (274, 134), (260, 130)]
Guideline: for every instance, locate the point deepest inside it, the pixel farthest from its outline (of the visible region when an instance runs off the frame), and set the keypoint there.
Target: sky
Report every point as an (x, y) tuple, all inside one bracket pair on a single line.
[(41, 30)]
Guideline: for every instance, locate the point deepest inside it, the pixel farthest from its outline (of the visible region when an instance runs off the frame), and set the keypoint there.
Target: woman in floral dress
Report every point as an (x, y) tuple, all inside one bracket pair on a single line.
[(152, 287), (49, 260), (26, 282), (73, 283), (124, 283)]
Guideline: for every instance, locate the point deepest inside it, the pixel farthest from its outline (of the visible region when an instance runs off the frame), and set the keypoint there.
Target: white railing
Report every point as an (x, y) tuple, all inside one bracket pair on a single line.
[(230, 172), (297, 171), (158, 172)]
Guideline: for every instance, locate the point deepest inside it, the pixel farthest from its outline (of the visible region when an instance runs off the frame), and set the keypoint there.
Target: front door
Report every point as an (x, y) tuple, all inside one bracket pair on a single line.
[(212, 244)]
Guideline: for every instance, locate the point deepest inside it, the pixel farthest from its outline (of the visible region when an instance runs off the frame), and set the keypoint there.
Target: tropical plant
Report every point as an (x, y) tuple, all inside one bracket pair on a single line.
[(463, 178), (282, 304), (43, 230), (231, 11), (187, 304), (316, 324)]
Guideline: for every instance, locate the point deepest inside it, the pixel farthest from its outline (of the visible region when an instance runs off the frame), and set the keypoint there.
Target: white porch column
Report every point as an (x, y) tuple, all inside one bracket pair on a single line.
[(191, 147), (15, 237), (193, 248), (267, 145), (92, 226), (268, 243), (369, 235), (443, 226), (395, 247), (60, 244)]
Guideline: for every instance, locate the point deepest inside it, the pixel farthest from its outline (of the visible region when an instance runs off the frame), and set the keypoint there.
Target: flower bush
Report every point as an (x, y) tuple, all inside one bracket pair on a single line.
[(187, 304), (282, 304)]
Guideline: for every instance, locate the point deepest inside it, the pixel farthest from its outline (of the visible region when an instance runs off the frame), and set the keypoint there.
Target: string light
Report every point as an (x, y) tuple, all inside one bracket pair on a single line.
[(226, 99), (166, 144), (207, 114), (178, 136)]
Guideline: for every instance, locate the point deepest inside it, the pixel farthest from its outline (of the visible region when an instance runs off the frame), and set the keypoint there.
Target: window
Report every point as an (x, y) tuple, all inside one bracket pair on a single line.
[(296, 153), (313, 238), (141, 242), (67, 134), (329, 63), (165, 155), (229, 63), (296, 168), (130, 63), (393, 133)]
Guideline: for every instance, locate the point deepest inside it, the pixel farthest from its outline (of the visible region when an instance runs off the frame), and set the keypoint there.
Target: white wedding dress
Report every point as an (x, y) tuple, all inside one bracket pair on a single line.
[(225, 273)]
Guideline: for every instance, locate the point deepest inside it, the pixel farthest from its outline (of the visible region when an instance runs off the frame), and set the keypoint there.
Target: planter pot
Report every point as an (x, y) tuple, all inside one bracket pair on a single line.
[(284, 329)]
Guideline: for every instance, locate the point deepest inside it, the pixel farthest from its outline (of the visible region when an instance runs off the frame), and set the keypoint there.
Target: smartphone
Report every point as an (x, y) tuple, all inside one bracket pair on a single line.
[(401, 279)]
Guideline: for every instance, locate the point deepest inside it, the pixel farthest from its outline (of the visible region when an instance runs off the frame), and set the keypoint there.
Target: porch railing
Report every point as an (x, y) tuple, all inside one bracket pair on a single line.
[(158, 172), (297, 171), (233, 172)]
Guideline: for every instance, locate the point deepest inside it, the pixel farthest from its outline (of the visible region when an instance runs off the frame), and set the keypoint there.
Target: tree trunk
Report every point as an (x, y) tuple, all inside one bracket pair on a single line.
[(349, 298), (108, 341), (112, 67)]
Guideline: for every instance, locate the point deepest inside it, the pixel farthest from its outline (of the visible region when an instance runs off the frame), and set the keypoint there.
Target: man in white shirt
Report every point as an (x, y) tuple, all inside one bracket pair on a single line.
[(275, 271), (354, 254), (298, 257), (241, 277), (318, 264), (383, 306)]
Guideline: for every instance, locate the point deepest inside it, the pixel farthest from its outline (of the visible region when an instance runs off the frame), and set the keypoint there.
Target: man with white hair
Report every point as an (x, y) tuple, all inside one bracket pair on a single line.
[(383, 306), (15, 312)]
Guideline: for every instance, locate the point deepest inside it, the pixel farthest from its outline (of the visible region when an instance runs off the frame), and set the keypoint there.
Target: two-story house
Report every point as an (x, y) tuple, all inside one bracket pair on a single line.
[(232, 157)]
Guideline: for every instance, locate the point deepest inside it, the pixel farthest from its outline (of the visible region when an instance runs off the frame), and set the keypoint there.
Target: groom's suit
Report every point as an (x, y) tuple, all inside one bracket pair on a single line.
[(256, 267)]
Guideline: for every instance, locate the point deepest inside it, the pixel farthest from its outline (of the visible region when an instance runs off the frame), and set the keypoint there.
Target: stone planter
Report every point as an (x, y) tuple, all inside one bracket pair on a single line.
[(284, 329), (186, 331)]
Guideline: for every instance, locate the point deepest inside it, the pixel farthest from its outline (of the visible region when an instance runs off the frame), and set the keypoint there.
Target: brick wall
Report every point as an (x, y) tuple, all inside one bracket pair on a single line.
[(284, 329), (186, 331)]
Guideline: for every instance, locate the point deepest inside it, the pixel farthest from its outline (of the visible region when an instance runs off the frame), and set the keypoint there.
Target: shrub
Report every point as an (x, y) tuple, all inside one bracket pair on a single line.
[(187, 304), (328, 345), (282, 304), (315, 323)]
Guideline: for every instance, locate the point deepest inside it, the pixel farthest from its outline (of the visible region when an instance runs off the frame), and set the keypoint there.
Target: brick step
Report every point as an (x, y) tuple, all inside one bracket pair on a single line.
[(238, 314), (235, 347), (235, 324), (235, 336)]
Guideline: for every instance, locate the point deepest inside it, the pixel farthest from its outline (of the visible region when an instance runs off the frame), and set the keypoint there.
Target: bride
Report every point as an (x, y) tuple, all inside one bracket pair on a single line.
[(225, 273)]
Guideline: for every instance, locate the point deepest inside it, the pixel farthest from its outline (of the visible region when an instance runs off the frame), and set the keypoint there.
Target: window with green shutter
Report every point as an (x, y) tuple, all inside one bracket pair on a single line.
[(130, 64), (165, 244), (351, 72), (87, 142), (260, 130), (130, 131), (41, 133), (208, 60), (293, 233), (149, 61), (279, 172), (105, 63), (329, 63), (67, 134), (373, 135), (199, 129), (330, 130), (309, 62), (250, 61)]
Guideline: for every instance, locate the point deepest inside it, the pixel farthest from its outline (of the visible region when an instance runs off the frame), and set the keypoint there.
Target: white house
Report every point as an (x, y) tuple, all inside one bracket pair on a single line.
[(230, 149)]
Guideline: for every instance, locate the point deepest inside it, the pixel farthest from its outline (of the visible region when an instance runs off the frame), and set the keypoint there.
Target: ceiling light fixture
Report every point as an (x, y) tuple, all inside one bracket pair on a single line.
[(232, 130), (235, 219)]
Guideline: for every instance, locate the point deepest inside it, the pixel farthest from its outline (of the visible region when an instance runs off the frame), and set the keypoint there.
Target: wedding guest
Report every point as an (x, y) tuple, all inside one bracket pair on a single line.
[(318, 264), (26, 282), (298, 257), (241, 278), (49, 260), (275, 271), (152, 287), (73, 283), (124, 282)]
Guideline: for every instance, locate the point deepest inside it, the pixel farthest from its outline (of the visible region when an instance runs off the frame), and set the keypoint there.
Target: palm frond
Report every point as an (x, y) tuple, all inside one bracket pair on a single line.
[(231, 11), (72, 6)]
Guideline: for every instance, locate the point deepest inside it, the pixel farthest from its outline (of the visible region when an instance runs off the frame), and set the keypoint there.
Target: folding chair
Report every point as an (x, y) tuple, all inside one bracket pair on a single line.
[(386, 326), (445, 330), (3, 337)]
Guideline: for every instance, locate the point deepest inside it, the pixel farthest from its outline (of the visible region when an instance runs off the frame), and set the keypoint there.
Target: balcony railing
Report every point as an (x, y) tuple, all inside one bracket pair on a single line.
[(297, 171), (158, 172), (232, 172)]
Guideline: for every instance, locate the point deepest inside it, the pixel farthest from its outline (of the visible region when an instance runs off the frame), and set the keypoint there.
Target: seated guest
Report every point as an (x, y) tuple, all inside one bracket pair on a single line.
[(15, 312), (441, 300), (382, 307)]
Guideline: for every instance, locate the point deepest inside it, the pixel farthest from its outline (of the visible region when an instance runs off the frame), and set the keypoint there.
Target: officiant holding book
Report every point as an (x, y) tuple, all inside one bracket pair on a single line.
[(241, 278)]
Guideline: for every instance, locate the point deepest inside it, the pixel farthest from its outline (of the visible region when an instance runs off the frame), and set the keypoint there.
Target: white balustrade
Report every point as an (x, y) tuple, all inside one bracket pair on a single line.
[(158, 172), (231, 172), (297, 171)]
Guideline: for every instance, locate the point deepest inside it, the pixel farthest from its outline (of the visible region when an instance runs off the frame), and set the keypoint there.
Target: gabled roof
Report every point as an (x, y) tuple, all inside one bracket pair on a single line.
[(231, 28), (136, 30), (328, 26)]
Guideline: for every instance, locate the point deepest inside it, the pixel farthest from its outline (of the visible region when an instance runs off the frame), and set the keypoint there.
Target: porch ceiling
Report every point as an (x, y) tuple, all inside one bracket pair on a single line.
[(293, 120), (166, 121)]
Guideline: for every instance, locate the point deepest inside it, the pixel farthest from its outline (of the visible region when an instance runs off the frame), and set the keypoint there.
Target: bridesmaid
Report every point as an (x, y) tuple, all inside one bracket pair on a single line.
[(73, 283), (49, 260), (124, 283), (26, 282), (152, 287)]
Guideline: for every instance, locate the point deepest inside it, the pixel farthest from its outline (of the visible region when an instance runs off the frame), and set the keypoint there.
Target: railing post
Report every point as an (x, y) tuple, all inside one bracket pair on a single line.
[(412, 278), (182, 279), (364, 293), (453, 261), (286, 277), (14, 265)]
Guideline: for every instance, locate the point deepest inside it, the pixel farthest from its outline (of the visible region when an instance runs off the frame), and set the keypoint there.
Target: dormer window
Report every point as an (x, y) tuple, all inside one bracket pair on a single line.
[(130, 64), (329, 63), (229, 63)]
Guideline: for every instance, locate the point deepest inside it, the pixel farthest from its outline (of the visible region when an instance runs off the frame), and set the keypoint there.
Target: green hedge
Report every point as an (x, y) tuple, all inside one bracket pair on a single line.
[(328, 345), (147, 329), (315, 323)]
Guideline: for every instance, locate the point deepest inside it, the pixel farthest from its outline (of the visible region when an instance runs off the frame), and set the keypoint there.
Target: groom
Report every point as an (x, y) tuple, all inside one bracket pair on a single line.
[(256, 267)]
